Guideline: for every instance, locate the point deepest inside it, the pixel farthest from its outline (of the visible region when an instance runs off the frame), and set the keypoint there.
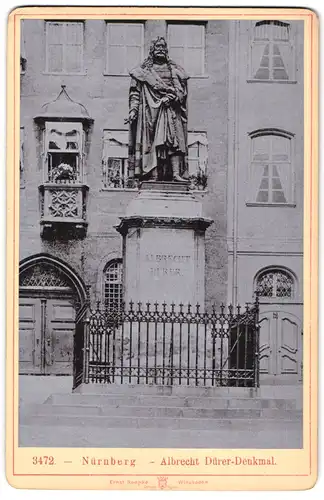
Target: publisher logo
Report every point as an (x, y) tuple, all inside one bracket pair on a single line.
[(162, 482)]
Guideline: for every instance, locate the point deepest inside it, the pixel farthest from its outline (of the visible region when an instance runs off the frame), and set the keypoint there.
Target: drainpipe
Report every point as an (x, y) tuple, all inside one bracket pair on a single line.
[(235, 160)]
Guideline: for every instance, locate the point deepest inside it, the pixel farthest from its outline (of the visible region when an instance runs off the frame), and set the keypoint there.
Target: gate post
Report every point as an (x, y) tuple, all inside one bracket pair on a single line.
[(257, 341), (86, 349)]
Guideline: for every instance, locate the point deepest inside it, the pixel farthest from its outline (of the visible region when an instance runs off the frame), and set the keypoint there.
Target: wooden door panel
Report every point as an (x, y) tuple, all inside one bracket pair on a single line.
[(59, 337), (62, 312), (29, 336), (280, 346), (63, 345), (266, 360), (288, 345), (26, 346)]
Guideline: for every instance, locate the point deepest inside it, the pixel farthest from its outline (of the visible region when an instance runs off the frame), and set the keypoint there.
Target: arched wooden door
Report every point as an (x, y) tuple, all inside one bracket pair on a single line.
[(47, 307), (280, 347)]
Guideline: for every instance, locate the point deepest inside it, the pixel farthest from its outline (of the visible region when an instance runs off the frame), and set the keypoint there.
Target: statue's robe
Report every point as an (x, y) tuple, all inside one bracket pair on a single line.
[(159, 129)]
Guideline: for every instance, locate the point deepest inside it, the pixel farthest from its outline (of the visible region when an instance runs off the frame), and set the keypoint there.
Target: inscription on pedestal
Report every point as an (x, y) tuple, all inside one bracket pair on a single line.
[(167, 265)]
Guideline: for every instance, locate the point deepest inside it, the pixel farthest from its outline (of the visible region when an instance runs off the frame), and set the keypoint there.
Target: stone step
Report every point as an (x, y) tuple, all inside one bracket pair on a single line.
[(132, 421), (126, 410), (281, 435), (267, 391), (170, 401)]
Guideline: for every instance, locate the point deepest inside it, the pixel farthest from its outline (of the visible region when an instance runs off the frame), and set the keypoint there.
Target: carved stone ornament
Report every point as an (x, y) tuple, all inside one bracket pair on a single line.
[(43, 275)]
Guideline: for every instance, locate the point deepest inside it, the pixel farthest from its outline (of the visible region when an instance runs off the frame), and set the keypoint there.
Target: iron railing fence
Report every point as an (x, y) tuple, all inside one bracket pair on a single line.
[(170, 345)]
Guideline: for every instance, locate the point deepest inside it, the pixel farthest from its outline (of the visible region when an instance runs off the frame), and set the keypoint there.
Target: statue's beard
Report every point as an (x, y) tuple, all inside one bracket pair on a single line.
[(159, 57)]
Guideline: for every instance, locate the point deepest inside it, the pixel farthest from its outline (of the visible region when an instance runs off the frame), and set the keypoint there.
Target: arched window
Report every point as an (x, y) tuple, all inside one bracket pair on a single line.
[(271, 176), (272, 51), (113, 285), (275, 283)]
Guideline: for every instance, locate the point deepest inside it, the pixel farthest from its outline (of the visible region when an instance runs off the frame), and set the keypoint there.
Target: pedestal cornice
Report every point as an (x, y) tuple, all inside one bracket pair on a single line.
[(195, 223)]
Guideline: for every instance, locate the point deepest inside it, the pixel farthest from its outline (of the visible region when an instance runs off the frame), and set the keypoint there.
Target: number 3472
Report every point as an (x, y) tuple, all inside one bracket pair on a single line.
[(44, 460)]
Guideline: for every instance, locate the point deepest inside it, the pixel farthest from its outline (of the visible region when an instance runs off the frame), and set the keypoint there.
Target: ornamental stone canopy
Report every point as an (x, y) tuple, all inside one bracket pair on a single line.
[(64, 108)]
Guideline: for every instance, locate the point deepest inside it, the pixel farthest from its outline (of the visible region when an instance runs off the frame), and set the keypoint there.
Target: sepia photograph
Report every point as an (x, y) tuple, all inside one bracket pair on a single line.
[(161, 217)]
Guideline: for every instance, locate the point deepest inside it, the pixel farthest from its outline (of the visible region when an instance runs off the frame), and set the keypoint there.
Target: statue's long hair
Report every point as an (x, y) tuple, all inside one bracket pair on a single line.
[(148, 62)]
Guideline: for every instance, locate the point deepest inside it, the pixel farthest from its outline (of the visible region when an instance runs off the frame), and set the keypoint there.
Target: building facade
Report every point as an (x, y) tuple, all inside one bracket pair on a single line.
[(245, 138)]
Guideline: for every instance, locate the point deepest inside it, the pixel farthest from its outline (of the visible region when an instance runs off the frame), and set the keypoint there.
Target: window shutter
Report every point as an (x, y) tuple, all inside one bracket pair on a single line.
[(187, 46), (193, 63), (177, 39), (73, 58), (177, 54), (55, 37), (177, 34), (194, 59), (55, 58), (133, 57), (117, 60), (124, 47), (55, 33), (133, 35), (64, 47), (73, 47)]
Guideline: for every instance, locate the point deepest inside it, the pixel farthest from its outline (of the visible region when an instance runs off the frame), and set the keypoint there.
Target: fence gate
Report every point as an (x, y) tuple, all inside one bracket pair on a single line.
[(169, 345)]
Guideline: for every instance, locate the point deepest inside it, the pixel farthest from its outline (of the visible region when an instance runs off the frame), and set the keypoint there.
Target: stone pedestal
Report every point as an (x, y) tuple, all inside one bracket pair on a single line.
[(164, 245)]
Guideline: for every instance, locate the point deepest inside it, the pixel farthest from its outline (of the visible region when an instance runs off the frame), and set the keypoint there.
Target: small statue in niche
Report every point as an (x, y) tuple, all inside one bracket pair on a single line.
[(158, 144)]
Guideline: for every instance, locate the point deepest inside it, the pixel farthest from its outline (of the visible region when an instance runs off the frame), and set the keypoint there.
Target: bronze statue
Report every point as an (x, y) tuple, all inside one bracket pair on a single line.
[(157, 120)]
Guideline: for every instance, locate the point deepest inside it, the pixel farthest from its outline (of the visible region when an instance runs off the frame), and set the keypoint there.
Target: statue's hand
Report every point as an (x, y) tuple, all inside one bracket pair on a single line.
[(169, 98), (132, 115), (165, 100)]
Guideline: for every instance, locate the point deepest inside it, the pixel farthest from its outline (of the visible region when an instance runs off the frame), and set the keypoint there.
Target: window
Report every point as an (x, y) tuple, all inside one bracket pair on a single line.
[(64, 47), (186, 44), (197, 159), (63, 152), (271, 169), (272, 51), (113, 285), (115, 160), (125, 43), (275, 283), (22, 157)]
